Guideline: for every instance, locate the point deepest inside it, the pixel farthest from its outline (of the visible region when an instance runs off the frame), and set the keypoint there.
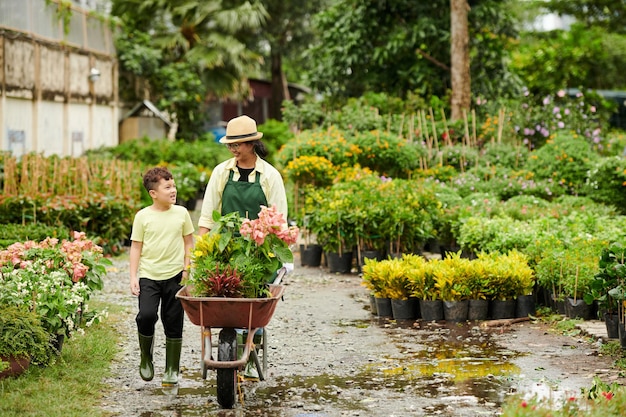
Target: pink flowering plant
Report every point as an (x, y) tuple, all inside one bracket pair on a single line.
[(239, 257), (55, 279)]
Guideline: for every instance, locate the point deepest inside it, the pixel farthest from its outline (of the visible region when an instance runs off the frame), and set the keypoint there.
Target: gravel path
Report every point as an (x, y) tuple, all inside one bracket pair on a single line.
[(329, 357)]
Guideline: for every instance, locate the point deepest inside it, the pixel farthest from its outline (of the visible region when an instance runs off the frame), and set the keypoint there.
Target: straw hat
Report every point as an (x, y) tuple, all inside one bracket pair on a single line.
[(241, 129)]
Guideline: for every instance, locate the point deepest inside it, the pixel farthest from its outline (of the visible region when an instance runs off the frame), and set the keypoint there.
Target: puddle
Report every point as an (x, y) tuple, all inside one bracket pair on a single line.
[(449, 369)]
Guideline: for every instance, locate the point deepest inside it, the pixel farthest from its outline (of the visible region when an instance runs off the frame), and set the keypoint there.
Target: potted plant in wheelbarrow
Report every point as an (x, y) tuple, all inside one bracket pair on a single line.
[(233, 285)]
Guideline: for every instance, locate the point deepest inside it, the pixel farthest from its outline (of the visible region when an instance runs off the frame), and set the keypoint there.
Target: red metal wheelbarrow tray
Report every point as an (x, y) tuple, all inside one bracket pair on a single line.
[(230, 312)]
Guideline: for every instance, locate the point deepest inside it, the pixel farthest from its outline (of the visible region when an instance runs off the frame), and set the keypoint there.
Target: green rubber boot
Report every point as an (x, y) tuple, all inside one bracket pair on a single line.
[(146, 368), (172, 361)]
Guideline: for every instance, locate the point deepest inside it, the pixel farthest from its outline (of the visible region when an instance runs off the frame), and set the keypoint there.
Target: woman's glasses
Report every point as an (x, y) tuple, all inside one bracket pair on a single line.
[(232, 146)]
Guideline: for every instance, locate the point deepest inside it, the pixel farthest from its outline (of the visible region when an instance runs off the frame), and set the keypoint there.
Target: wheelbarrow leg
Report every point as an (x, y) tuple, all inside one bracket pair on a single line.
[(264, 346), (257, 364), (207, 349)]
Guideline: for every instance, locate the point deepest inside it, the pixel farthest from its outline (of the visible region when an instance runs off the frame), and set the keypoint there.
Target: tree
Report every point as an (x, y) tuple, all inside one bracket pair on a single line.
[(608, 14), (188, 51), (287, 32), (588, 55), (460, 58), (402, 47)]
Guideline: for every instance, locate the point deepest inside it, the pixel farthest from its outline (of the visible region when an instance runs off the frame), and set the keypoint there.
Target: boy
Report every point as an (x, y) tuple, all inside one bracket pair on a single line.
[(161, 241)]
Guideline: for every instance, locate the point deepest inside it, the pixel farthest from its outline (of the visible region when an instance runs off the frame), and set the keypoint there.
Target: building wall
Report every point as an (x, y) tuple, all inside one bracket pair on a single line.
[(48, 104)]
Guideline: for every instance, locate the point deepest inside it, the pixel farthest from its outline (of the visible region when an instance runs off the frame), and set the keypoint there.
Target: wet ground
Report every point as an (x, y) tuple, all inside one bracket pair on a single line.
[(329, 356)]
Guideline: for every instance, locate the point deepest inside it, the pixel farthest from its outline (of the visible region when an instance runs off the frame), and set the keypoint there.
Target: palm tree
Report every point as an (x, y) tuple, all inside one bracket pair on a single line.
[(204, 37)]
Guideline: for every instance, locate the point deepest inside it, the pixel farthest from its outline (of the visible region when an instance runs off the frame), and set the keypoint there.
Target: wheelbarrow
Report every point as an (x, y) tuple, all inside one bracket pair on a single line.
[(231, 315)]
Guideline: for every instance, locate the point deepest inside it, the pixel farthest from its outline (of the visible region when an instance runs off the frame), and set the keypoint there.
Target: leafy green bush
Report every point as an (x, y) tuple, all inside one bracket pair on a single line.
[(332, 144), (275, 135), (381, 152), (201, 152), (496, 234), (564, 160), (525, 207), (106, 219), (504, 154), (388, 154), (505, 183), (17, 232), (22, 334), (606, 182), (461, 157)]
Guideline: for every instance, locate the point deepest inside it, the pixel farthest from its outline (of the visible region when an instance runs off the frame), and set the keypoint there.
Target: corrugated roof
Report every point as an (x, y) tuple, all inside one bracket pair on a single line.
[(147, 104)]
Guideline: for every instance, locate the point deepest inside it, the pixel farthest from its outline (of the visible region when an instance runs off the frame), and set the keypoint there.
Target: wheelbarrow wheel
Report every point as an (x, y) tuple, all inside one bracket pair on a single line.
[(227, 377)]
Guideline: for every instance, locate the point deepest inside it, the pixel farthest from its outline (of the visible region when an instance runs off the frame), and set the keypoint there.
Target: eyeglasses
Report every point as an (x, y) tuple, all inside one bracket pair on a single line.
[(232, 146)]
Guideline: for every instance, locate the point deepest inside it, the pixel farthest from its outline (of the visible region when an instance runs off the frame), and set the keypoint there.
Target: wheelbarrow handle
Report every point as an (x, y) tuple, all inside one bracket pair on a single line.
[(280, 275)]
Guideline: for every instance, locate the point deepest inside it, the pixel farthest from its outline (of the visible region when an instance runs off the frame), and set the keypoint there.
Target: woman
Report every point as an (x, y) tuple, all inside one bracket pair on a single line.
[(245, 182)]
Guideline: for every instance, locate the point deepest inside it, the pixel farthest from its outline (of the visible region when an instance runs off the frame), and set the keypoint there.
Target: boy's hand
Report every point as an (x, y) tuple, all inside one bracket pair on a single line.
[(134, 286)]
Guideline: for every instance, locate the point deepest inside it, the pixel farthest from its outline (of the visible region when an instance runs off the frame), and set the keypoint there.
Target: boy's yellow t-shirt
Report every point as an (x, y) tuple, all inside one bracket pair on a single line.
[(163, 250)]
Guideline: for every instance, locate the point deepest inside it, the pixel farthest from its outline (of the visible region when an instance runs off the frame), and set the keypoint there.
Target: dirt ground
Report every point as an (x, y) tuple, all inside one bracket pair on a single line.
[(329, 356)]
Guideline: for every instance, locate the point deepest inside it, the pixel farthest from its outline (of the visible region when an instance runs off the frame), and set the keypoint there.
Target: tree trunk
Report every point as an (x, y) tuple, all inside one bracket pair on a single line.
[(280, 90), (460, 60)]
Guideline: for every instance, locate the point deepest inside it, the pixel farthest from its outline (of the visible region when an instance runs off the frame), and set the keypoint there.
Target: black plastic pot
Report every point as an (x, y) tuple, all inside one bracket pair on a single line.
[(455, 311), (341, 264), (310, 255), (431, 310), (502, 309), (525, 306), (478, 310)]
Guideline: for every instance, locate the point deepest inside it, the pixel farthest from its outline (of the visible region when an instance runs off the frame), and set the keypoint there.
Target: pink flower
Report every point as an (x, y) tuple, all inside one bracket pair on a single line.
[(79, 272), (270, 221)]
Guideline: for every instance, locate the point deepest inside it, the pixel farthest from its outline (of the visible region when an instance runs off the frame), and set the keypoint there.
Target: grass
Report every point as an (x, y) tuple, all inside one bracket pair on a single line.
[(71, 387)]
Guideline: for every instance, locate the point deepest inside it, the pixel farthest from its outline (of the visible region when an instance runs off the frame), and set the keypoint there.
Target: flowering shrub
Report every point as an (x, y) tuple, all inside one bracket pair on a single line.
[(238, 257), (536, 121), (55, 279), (311, 169), (565, 159), (606, 182)]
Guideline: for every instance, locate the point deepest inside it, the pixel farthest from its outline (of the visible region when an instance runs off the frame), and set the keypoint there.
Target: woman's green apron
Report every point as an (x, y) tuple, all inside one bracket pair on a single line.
[(244, 197)]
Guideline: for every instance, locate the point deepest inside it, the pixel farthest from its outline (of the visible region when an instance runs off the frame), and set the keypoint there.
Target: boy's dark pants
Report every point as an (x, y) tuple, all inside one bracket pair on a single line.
[(152, 293), (172, 314)]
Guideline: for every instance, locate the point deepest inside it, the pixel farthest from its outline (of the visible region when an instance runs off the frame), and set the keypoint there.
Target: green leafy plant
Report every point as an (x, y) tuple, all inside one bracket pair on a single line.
[(451, 277), (239, 256), (372, 278), (565, 160), (14, 232), (611, 273), (509, 275), (23, 335), (394, 281)]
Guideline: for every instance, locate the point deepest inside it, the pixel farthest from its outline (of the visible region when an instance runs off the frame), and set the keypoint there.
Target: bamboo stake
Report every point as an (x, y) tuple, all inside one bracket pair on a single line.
[(419, 126), (576, 285), (501, 124), (433, 140), (401, 126), (445, 126), (432, 122)]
